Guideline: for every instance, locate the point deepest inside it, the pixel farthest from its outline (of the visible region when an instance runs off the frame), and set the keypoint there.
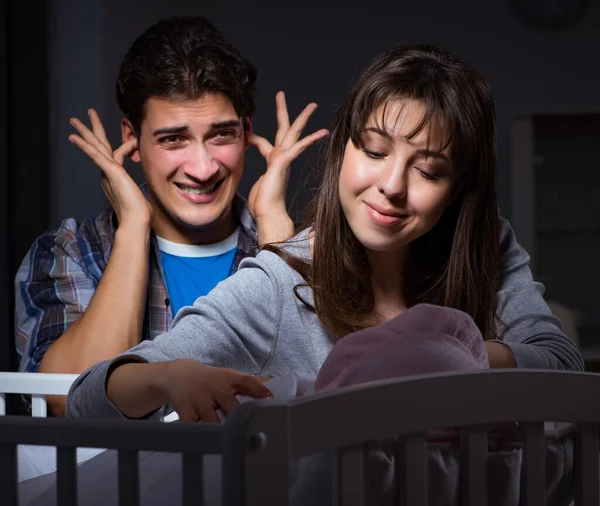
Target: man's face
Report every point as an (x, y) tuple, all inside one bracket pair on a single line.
[(192, 155)]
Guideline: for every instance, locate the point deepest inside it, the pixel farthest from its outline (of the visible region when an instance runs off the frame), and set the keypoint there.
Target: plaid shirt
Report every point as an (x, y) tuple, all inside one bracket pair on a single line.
[(60, 273)]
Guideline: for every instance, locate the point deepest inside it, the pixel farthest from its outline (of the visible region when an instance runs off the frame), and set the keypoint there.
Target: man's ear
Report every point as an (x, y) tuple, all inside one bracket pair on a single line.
[(247, 124), (128, 133)]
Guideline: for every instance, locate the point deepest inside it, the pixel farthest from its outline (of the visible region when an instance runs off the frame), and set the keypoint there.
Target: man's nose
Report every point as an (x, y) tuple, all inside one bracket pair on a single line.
[(200, 165)]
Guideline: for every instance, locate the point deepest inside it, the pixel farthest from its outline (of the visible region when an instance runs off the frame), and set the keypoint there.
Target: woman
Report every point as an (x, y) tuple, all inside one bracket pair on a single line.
[(406, 214)]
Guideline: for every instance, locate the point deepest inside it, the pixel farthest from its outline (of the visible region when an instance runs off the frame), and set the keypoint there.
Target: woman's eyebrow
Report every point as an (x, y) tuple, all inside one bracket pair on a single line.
[(379, 131), (429, 153)]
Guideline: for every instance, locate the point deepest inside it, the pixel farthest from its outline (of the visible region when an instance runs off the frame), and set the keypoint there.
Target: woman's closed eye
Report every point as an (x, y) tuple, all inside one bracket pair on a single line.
[(375, 155), (428, 175)]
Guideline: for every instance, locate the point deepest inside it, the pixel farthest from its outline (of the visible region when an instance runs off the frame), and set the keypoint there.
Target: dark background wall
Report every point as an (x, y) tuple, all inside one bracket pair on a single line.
[(24, 154), (64, 58), (313, 51), (5, 296)]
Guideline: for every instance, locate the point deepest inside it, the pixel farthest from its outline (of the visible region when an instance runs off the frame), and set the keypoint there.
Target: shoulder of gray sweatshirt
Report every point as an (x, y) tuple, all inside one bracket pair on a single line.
[(254, 322)]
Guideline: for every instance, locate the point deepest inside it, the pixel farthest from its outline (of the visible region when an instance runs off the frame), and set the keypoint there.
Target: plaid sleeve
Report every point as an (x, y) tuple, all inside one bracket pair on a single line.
[(53, 288)]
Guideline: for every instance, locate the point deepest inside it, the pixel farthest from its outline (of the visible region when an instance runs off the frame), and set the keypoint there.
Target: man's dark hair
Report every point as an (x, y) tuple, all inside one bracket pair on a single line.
[(181, 59)]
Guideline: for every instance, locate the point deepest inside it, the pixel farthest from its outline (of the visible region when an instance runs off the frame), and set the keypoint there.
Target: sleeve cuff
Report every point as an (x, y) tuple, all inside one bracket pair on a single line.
[(525, 356), (87, 396)]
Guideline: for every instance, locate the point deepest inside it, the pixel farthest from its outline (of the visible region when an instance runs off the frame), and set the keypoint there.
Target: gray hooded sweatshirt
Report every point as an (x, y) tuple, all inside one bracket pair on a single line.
[(254, 322)]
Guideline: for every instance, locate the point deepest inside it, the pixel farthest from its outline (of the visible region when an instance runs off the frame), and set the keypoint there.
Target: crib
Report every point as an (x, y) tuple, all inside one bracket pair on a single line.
[(37, 385), (260, 439)]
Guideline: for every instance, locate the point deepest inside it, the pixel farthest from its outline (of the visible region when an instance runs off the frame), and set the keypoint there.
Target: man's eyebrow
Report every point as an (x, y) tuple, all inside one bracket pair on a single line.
[(225, 124), (179, 129), (171, 130)]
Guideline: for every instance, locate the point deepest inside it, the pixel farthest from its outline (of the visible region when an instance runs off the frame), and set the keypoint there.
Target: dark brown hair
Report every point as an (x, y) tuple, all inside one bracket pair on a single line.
[(182, 58), (455, 264)]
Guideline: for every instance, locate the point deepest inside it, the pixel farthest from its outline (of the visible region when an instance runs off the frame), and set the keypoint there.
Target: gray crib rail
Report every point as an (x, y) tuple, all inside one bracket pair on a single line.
[(128, 437), (261, 438), (344, 420)]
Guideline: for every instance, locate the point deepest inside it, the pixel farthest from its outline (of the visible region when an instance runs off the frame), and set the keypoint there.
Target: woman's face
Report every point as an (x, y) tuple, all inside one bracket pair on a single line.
[(394, 189)]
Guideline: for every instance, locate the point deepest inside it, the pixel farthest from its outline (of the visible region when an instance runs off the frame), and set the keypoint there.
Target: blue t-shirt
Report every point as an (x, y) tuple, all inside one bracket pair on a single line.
[(194, 270)]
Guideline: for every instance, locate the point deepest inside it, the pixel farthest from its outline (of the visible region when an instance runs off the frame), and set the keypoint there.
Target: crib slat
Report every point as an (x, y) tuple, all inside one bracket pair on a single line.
[(587, 467), (411, 470), (39, 407), (193, 479), (349, 477), (533, 476), (8, 476), (2, 404), (66, 479), (129, 478), (473, 466)]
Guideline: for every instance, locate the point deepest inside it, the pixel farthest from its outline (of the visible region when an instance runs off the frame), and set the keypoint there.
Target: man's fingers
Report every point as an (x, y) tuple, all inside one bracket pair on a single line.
[(251, 386), (125, 150), (101, 160), (263, 145), (309, 140), (299, 124), (89, 136), (98, 128), (283, 118), (288, 155)]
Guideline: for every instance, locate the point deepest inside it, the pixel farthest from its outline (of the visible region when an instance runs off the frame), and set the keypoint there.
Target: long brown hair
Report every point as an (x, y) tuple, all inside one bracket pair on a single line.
[(455, 264)]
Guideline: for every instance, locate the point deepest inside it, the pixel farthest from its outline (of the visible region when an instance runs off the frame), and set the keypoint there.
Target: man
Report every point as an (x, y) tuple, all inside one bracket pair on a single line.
[(88, 292)]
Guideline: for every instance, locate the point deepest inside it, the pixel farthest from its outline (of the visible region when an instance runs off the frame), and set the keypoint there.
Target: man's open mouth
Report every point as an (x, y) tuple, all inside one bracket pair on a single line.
[(200, 191)]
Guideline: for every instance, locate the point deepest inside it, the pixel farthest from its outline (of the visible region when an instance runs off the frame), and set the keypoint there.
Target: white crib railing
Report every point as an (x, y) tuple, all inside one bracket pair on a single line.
[(38, 385)]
